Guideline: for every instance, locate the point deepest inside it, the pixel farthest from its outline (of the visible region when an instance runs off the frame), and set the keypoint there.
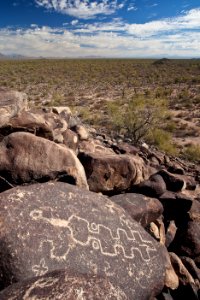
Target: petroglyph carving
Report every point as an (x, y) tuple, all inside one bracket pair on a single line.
[(101, 238), (40, 269)]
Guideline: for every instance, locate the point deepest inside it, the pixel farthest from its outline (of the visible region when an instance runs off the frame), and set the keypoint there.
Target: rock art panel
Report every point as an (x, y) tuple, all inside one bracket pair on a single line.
[(63, 285), (51, 226)]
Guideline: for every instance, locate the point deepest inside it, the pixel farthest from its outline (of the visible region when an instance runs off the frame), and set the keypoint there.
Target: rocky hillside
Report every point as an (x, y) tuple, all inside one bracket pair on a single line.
[(87, 216)]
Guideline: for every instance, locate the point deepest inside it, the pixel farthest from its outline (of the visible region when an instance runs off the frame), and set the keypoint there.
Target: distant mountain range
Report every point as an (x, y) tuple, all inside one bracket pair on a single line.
[(12, 56), (18, 57)]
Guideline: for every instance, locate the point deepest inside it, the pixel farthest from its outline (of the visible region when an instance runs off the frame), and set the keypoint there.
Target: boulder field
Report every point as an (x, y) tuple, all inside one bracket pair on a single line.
[(84, 215)]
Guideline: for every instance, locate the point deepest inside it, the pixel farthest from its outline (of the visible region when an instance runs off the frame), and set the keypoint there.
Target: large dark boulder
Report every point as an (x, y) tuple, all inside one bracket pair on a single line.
[(154, 186), (51, 226), (190, 240), (26, 158), (174, 182), (141, 208), (176, 207), (62, 285), (112, 173)]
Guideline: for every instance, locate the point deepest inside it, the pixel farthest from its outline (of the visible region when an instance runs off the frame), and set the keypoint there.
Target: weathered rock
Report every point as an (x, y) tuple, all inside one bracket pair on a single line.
[(154, 231), (153, 187), (82, 132), (171, 278), (50, 226), (194, 212), (70, 139), (26, 158), (170, 233), (191, 267), (74, 121), (174, 183), (158, 229), (111, 173), (58, 124), (125, 148), (190, 240), (94, 146), (64, 111), (63, 285), (187, 288), (175, 168), (11, 103), (31, 122), (182, 272), (143, 209), (176, 206)]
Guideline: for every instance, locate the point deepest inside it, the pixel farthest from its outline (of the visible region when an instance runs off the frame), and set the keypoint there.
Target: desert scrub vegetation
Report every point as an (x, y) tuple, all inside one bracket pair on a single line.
[(163, 140), (91, 85), (140, 117), (192, 153), (120, 78)]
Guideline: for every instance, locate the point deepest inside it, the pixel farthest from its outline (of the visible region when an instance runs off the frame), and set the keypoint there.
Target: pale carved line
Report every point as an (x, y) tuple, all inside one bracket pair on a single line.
[(94, 241)]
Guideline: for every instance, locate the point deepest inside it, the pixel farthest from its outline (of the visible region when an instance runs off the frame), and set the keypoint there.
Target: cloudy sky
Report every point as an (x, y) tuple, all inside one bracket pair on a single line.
[(102, 28)]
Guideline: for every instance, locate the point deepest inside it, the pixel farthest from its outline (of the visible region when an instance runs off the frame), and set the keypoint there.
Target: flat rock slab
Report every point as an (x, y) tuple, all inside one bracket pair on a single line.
[(26, 158), (51, 226), (59, 285), (141, 208)]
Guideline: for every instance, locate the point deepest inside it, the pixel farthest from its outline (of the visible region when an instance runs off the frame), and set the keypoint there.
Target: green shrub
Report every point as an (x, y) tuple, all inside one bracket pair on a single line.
[(163, 140), (138, 117), (57, 99), (192, 153)]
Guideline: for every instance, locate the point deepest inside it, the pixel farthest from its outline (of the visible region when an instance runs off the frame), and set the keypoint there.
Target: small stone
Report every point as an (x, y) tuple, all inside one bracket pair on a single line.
[(170, 233), (82, 132), (70, 140)]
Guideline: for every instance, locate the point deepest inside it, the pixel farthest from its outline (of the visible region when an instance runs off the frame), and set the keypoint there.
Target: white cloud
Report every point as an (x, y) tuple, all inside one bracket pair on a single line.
[(82, 9), (154, 5), (117, 25), (191, 20), (131, 7), (178, 36), (74, 22)]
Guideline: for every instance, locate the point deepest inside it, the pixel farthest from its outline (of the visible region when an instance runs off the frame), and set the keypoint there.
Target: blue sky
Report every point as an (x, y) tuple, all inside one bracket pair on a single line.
[(78, 28)]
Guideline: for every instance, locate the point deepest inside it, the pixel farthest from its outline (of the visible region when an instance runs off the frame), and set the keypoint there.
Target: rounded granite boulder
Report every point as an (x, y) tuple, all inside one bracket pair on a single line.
[(51, 226)]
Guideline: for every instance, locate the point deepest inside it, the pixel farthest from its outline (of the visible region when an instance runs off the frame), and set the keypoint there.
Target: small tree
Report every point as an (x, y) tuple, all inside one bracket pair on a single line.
[(139, 116)]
